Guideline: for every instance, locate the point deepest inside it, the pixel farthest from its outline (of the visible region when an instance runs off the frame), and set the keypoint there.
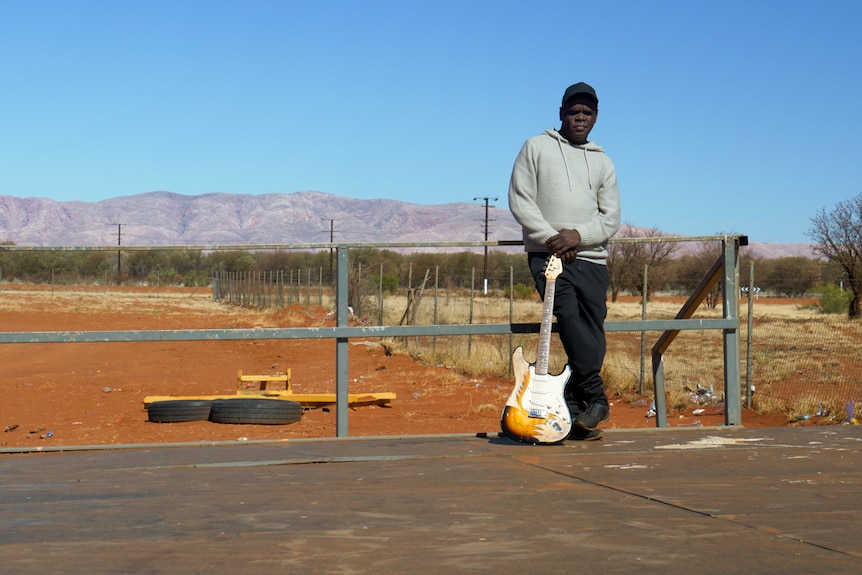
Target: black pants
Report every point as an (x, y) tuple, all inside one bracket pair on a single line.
[(580, 306)]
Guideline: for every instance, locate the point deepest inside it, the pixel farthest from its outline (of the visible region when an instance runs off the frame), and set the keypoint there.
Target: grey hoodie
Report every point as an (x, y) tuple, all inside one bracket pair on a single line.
[(556, 185)]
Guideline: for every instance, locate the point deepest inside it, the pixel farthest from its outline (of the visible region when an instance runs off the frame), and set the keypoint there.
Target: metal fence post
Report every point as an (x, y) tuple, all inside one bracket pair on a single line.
[(341, 314), (749, 336), (732, 389)]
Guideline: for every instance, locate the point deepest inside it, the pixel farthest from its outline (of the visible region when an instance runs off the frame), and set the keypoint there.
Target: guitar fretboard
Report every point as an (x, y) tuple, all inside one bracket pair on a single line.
[(545, 331)]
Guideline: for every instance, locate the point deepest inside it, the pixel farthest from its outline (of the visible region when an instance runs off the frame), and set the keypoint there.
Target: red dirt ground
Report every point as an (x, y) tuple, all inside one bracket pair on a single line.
[(92, 393)]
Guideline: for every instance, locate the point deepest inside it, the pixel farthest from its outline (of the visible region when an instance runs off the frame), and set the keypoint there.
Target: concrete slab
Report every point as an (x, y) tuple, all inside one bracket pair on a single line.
[(707, 500)]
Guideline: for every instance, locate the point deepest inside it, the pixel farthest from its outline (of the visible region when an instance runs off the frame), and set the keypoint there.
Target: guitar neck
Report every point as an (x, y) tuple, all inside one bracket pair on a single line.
[(545, 332)]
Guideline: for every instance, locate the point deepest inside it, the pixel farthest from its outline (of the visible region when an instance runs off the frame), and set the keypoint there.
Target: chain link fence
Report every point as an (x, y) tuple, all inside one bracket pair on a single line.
[(793, 358)]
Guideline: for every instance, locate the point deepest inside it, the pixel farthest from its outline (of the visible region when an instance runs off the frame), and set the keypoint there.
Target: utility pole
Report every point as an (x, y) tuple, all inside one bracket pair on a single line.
[(119, 241), (485, 267), (331, 240)]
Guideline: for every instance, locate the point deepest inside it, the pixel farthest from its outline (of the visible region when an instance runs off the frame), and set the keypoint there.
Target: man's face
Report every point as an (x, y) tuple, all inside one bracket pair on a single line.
[(578, 116)]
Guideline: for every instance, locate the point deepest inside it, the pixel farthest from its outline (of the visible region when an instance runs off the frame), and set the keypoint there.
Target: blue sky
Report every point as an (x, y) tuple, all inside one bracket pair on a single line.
[(721, 116)]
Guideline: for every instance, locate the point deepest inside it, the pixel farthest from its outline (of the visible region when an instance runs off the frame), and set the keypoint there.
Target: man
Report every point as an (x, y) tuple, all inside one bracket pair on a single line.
[(563, 192)]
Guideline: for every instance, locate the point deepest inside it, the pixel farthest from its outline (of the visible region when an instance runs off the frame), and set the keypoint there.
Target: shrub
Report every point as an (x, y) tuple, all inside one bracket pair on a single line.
[(520, 291), (833, 299), (390, 282)]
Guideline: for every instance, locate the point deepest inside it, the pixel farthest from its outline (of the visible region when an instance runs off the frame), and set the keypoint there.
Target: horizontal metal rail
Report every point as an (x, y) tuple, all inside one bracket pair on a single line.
[(333, 245), (127, 336)]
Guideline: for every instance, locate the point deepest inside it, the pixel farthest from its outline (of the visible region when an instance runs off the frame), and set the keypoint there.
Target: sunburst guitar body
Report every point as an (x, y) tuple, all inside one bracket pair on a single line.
[(536, 411)]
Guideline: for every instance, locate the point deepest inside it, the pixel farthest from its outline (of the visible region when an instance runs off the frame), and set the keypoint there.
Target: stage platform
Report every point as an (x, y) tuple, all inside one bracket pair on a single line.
[(688, 501)]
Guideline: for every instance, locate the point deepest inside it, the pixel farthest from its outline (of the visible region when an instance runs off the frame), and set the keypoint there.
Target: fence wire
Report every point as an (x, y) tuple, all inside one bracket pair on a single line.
[(797, 361), (801, 362)]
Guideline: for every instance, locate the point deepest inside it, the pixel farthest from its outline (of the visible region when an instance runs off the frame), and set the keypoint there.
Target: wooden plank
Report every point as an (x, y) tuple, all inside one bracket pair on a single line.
[(687, 311), (261, 380)]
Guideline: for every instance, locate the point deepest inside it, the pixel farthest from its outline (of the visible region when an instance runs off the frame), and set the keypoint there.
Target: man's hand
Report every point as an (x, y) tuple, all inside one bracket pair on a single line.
[(569, 256), (564, 245)]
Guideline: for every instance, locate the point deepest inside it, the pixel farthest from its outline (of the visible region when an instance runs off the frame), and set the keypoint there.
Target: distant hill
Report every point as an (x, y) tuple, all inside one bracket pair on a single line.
[(165, 218)]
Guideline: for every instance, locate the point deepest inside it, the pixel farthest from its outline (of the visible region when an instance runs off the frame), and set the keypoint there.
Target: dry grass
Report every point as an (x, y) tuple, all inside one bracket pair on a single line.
[(119, 300), (801, 360)]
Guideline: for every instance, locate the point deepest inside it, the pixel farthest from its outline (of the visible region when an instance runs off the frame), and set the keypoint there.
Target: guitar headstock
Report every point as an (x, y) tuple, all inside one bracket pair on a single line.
[(553, 267)]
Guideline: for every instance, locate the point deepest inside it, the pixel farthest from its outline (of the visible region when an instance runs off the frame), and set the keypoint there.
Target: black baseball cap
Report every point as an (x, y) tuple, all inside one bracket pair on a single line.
[(580, 89)]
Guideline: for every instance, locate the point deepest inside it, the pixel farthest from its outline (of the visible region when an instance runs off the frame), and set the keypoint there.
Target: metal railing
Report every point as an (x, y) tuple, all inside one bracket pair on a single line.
[(725, 270)]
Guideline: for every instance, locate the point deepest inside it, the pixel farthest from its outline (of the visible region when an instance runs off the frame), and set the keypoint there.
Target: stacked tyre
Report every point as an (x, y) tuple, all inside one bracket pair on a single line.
[(175, 411), (237, 411), (255, 410)]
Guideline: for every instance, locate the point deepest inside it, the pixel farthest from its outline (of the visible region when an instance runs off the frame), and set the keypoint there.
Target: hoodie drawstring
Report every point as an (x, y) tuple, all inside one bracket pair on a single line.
[(589, 172), (566, 163)]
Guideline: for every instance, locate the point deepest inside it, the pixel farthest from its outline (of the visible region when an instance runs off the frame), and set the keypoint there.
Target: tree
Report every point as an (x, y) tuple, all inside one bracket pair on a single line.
[(838, 236), (626, 260), (791, 276)]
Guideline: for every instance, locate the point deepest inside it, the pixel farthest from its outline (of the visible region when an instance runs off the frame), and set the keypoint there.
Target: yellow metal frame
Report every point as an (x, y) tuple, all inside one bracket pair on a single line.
[(307, 400)]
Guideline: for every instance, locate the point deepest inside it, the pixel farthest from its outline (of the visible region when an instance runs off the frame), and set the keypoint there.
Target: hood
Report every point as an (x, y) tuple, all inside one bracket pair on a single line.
[(589, 146)]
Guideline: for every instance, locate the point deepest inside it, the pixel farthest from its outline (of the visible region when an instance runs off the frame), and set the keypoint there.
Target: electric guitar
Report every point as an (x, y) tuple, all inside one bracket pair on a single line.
[(536, 411)]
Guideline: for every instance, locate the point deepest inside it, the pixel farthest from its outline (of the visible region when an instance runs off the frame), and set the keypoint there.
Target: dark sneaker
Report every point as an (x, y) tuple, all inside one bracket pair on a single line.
[(593, 416), (580, 434)]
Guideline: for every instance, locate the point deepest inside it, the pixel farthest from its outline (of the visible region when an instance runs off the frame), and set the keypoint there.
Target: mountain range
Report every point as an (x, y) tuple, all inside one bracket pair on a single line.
[(165, 218)]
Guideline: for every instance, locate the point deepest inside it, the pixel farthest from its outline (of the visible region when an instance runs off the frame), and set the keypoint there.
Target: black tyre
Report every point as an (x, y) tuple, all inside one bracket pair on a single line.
[(173, 411), (252, 410)]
